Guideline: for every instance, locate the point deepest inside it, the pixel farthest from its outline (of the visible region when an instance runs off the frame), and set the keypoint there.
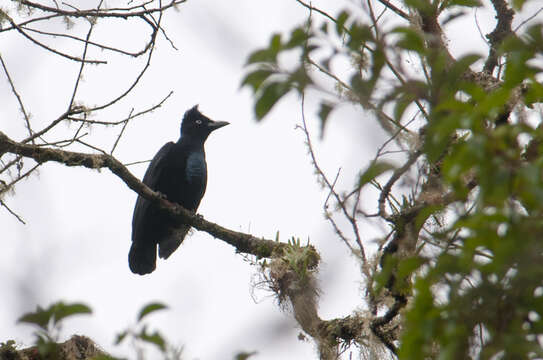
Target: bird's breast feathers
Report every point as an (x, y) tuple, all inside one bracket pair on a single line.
[(196, 167)]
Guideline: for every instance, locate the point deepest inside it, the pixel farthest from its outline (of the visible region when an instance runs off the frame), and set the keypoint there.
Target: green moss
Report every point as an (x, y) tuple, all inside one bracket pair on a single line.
[(8, 350)]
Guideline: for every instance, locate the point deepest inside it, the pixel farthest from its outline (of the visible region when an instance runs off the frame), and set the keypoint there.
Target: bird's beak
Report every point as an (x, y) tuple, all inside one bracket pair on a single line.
[(214, 125)]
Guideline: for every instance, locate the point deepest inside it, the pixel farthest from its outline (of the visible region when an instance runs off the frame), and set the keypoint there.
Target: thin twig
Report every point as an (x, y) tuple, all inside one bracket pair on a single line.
[(397, 10), (137, 162), (14, 91), (395, 176), (118, 12), (524, 22), (84, 56), (20, 30), (9, 164), (90, 146), (120, 134), (22, 24), (19, 178), (330, 218), (12, 212), (329, 185), (138, 77), (110, 123), (98, 45)]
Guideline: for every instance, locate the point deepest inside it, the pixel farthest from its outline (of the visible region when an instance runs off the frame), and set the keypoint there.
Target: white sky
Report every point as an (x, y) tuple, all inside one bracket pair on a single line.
[(75, 244)]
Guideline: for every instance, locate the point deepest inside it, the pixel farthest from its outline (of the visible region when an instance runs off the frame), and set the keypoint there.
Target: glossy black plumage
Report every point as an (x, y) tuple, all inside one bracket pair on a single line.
[(178, 171)]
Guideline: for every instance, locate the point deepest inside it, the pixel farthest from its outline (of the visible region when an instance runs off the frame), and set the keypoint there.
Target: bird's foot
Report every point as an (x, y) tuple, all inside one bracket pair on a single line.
[(162, 196)]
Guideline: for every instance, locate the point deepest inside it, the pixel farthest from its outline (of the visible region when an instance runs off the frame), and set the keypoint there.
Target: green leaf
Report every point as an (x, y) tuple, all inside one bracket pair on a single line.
[(152, 307), (40, 317), (467, 3), (425, 213), (256, 78), (340, 22), (451, 17), (324, 112), (244, 355), (55, 313), (275, 43), (375, 169), (459, 67), (47, 347), (271, 93), (153, 338), (358, 35), (297, 38), (534, 94), (424, 6), (62, 310), (299, 78), (407, 266), (104, 357), (263, 55), (410, 39), (268, 55), (120, 337), (518, 4)]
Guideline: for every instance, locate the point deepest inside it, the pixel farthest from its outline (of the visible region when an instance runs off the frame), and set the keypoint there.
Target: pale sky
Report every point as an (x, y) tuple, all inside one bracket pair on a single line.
[(75, 244)]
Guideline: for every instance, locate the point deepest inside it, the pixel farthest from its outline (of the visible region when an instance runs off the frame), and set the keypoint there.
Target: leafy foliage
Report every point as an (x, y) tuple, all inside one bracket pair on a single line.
[(152, 307), (55, 313), (49, 321), (140, 333), (474, 276)]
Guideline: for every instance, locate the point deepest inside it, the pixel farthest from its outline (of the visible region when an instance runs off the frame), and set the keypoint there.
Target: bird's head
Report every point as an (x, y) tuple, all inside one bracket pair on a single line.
[(197, 125)]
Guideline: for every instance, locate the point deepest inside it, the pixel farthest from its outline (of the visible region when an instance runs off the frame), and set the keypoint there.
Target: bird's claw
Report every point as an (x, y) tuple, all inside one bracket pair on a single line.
[(161, 195)]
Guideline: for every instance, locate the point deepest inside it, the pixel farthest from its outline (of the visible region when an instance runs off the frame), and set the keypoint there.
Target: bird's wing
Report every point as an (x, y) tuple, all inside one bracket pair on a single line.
[(151, 178), (142, 255)]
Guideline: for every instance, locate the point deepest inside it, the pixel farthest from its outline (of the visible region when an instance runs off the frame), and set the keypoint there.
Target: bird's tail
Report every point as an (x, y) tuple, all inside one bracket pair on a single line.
[(142, 257), (169, 244)]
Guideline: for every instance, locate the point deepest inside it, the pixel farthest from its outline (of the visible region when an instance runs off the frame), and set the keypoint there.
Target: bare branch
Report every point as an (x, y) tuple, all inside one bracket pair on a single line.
[(397, 10), (527, 20), (378, 323), (14, 91), (329, 185), (98, 45), (10, 163), (395, 176), (12, 212), (120, 134), (137, 162), (137, 79), (20, 30), (20, 177), (244, 243), (38, 19), (505, 15), (123, 13), (84, 56), (123, 121)]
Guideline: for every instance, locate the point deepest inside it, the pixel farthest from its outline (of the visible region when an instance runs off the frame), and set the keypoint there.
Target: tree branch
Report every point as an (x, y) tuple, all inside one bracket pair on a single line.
[(502, 30), (19, 100), (118, 12), (395, 176), (244, 243)]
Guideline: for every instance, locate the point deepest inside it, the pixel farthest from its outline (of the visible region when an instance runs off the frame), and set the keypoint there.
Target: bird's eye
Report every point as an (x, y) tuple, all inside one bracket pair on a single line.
[(199, 122)]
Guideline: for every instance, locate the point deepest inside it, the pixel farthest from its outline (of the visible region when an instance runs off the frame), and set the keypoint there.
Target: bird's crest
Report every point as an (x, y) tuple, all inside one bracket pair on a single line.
[(193, 112)]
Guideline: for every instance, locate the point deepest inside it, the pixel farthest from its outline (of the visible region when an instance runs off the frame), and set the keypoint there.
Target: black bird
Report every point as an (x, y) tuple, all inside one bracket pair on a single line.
[(179, 172)]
